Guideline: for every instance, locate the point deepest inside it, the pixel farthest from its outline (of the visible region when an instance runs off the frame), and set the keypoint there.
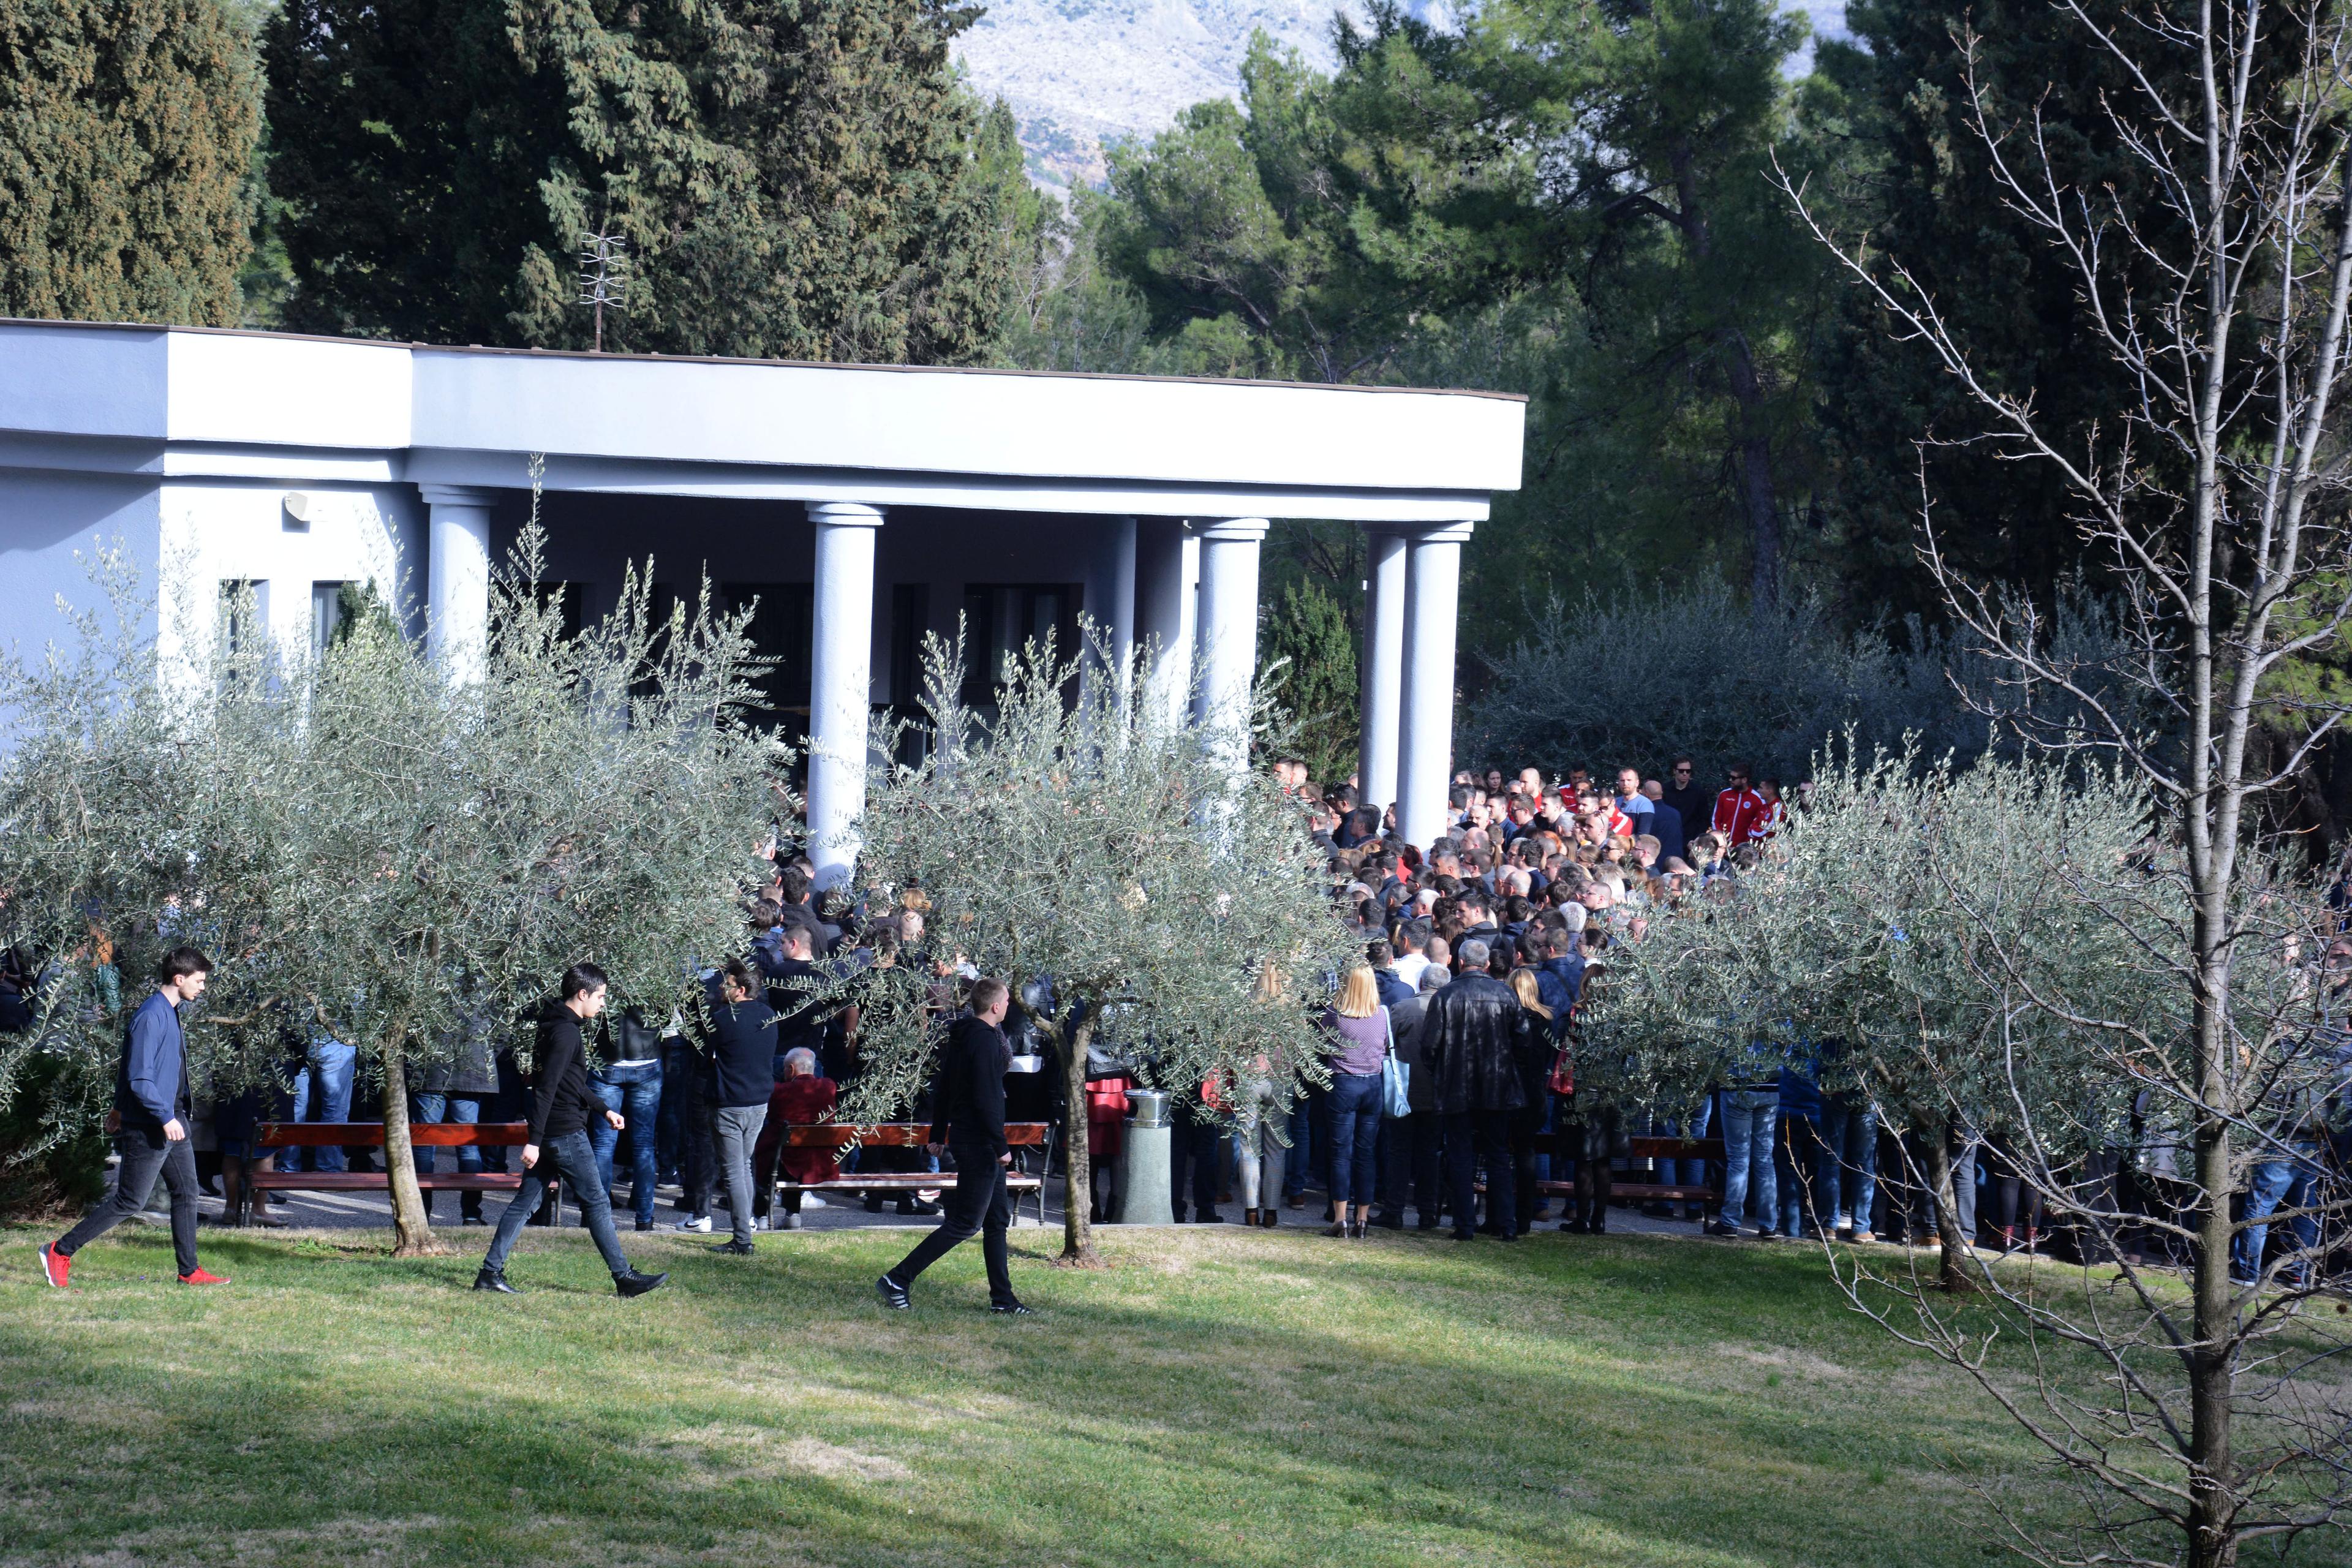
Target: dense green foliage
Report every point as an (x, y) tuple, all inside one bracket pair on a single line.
[(806, 183), (126, 130), (1306, 659)]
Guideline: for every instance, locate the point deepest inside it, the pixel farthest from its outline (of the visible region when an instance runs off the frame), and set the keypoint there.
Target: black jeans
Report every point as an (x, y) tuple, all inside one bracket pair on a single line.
[(1409, 1150), (573, 1159), (134, 1183), (980, 1205), (1472, 1136), (1194, 1138)]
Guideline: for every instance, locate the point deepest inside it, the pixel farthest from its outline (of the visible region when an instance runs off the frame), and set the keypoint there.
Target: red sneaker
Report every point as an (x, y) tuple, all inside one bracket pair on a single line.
[(201, 1277), (55, 1266)]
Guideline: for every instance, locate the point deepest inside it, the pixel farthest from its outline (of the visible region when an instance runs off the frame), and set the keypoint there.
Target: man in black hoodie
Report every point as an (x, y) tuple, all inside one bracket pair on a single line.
[(968, 1118), (561, 1105)]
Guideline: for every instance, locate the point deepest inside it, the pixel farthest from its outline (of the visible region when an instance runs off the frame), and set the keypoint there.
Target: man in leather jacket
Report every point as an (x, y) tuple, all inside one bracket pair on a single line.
[(1476, 1045)]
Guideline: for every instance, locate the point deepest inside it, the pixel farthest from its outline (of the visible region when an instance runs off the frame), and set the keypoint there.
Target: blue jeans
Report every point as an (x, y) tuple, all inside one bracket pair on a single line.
[(1797, 1157), (1751, 1125), (322, 1092), (570, 1157), (2276, 1182), (1355, 1124), (634, 1089), (436, 1106), (1849, 1174), (1685, 1173)]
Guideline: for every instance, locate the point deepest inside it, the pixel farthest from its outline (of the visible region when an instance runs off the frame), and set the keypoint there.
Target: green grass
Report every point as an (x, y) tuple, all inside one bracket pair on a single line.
[(1221, 1397)]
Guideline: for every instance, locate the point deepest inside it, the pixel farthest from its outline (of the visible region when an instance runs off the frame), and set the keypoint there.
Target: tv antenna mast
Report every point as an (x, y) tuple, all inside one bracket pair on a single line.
[(603, 277)]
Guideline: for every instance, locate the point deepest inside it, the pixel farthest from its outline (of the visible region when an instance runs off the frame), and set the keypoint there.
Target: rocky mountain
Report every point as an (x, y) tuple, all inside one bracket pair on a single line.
[(1079, 72)]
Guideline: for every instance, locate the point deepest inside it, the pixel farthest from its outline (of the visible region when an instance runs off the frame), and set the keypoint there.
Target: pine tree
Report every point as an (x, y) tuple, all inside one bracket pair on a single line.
[(808, 183), (1306, 659), (126, 128)]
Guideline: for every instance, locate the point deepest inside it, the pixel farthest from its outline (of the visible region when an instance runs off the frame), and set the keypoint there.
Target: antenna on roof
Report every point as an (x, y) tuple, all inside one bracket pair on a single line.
[(603, 277)]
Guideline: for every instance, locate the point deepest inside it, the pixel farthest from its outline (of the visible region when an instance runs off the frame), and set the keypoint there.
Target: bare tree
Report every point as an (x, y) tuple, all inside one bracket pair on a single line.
[(2215, 496)]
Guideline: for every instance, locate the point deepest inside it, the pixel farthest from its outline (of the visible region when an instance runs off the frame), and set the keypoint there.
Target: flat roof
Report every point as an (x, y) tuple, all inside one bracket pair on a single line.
[(224, 403)]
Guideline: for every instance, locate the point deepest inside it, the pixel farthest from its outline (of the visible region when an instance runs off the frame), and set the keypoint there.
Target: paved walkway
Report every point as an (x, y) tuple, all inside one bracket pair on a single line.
[(361, 1211)]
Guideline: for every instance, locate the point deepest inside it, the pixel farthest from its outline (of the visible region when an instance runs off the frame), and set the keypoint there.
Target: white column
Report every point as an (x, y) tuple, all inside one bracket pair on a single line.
[(841, 675), (1168, 571), (1425, 730), (458, 583), (1228, 636), (1381, 676)]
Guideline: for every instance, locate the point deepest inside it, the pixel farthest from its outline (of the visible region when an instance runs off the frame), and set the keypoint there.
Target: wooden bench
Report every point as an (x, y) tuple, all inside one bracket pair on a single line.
[(902, 1135), (1642, 1147), (370, 1135)]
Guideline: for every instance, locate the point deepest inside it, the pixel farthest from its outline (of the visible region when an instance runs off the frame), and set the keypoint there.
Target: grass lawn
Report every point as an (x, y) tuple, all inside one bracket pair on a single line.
[(1219, 1397)]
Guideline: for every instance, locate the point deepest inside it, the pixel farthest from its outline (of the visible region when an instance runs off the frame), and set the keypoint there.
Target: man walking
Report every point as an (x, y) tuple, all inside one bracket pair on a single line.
[(742, 1077), (968, 1118), (151, 1099), (1475, 1039), (558, 1149)]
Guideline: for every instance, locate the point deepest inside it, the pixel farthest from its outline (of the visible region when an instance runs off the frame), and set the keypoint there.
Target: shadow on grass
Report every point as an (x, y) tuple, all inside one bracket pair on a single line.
[(1212, 1400)]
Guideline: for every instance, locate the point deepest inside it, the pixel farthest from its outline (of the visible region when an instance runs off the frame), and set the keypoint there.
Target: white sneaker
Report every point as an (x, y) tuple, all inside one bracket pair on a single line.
[(702, 1225), (760, 1222), (811, 1201), (791, 1222)]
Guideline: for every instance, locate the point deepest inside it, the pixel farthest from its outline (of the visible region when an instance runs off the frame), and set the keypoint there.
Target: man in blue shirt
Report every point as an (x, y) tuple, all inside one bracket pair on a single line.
[(152, 1104)]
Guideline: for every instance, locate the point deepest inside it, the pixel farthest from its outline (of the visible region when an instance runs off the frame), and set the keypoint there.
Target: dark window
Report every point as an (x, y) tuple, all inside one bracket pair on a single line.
[(910, 618), (1000, 618), (781, 618), (570, 601), (326, 615)]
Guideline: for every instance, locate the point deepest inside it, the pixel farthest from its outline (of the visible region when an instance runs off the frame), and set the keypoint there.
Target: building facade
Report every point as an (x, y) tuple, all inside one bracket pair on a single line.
[(859, 507)]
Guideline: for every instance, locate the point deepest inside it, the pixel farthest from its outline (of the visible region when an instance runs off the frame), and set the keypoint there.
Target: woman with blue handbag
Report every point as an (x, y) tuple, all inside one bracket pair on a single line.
[(1359, 1049)]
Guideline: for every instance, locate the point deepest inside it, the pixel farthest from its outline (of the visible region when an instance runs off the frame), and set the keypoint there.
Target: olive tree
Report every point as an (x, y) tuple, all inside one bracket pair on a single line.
[(1072, 835), (381, 852)]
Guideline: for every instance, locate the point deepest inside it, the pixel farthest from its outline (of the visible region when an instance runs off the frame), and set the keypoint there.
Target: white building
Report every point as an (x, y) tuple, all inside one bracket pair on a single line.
[(863, 505)]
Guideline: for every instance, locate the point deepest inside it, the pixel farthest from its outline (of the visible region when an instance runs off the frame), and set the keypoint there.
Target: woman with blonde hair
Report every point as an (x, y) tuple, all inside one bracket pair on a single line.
[(1361, 1025)]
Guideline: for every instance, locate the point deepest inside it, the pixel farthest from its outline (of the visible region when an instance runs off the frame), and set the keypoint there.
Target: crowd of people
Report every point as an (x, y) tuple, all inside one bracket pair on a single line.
[(1448, 1055)]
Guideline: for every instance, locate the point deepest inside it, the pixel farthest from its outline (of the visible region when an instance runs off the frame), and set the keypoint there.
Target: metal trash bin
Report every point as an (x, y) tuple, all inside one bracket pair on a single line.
[(1143, 1190)]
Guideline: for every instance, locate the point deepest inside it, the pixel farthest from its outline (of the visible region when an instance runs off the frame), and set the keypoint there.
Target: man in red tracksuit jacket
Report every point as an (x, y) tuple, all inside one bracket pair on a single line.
[(1741, 813)]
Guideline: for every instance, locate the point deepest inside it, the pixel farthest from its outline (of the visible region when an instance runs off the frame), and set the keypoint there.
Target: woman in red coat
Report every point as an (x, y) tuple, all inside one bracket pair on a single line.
[(803, 1099)]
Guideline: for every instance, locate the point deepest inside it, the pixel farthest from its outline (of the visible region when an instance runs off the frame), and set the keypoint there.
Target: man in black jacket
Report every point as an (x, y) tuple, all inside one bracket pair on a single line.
[(561, 1105), (968, 1118), (743, 1035), (1477, 1043)]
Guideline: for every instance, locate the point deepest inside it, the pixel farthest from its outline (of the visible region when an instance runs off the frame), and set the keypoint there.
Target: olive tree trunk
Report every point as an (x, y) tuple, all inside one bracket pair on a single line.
[(1077, 1193), (412, 1223)]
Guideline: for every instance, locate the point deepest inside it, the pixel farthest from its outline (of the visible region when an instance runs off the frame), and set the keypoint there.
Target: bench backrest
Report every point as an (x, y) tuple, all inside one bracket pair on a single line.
[(370, 1135), (894, 1135)]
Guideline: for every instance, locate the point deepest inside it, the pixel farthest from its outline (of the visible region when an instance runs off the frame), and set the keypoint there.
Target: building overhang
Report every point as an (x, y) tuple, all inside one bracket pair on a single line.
[(204, 405)]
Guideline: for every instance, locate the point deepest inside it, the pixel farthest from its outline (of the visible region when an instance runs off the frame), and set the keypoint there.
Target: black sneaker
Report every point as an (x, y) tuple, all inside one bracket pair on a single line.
[(893, 1294), (734, 1248), (636, 1284), (1720, 1228), (494, 1279), (1013, 1308)]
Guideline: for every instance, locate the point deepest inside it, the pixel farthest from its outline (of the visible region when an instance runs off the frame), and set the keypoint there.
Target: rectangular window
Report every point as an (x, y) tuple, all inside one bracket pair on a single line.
[(783, 614), (1001, 618), (570, 601), (326, 615), (910, 618), (243, 613)]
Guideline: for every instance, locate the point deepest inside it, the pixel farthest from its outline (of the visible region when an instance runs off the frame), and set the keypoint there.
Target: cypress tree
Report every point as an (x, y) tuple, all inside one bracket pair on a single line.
[(126, 128), (794, 181)]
